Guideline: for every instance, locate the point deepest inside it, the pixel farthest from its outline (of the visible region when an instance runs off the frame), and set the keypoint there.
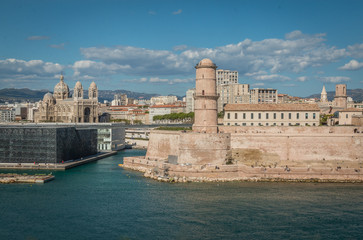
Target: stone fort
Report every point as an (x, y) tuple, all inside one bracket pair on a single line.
[(223, 153)]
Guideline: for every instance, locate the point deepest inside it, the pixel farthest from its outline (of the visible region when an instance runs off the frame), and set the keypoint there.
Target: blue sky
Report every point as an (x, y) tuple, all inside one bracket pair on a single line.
[(153, 46)]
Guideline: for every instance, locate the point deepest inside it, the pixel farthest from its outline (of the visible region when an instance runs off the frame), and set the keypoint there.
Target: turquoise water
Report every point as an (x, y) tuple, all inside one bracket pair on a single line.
[(103, 201)]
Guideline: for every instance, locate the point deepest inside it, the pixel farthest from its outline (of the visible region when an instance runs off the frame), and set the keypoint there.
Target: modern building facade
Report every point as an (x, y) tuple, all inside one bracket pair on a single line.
[(261, 95), (189, 99), (7, 114), (232, 93), (226, 77), (45, 144), (271, 115), (160, 100)]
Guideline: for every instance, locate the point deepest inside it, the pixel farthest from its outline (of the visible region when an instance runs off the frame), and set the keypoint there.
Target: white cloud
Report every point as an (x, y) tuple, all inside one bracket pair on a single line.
[(356, 50), (59, 46), (352, 65), (92, 68), (335, 79), (272, 78), (28, 69), (302, 79), (178, 12), (180, 47), (258, 84), (34, 38), (289, 85)]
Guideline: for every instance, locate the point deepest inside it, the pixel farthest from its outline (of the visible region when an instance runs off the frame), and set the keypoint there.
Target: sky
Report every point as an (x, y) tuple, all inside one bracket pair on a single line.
[(295, 46)]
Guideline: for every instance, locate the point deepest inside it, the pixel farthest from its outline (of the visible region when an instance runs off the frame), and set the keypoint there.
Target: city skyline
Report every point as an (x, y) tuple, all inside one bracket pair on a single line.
[(153, 46)]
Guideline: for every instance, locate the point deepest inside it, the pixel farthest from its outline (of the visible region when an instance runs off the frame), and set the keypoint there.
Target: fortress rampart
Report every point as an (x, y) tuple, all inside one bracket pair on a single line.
[(255, 153)]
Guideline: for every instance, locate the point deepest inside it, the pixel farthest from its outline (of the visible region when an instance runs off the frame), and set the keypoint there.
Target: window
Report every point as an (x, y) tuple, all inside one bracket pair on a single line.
[(251, 124), (274, 124), (243, 124), (228, 115), (244, 115), (251, 115), (235, 116), (266, 115), (306, 115), (266, 124), (259, 115), (289, 115), (297, 116), (313, 124), (282, 115), (314, 115), (203, 91), (282, 124), (236, 124), (274, 115), (346, 116), (228, 124)]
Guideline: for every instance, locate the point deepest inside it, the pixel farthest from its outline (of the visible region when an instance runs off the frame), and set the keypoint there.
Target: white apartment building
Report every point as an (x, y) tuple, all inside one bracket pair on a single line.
[(163, 100), (232, 93), (189, 99), (226, 77), (263, 95), (271, 115), (7, 114)]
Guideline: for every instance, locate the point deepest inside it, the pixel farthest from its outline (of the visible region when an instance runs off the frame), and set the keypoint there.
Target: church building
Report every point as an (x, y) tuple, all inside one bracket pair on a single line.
[(61, 107)]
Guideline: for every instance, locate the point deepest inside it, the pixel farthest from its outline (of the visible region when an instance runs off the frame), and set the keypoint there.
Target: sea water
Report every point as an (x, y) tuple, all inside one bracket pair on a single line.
[(101, 200)]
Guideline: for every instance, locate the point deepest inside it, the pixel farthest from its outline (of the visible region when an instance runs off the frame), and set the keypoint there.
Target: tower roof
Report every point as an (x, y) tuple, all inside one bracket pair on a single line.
[(323, 91), (93, 85), (206, 62), (78, 85)]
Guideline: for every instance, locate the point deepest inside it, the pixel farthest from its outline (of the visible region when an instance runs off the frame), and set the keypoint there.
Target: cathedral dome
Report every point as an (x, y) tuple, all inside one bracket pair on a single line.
[(48, 97), (61, 90)]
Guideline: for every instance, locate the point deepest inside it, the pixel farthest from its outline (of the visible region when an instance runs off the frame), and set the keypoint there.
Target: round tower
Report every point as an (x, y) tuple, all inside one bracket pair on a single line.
[(205, 105)]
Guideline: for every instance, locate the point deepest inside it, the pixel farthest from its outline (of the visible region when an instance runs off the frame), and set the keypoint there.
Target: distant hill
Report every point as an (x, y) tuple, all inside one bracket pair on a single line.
[(21, 95), (356, 94), (24, 94)]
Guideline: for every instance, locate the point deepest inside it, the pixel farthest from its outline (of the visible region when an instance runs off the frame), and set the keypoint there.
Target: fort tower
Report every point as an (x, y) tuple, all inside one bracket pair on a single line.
[(205, 108)]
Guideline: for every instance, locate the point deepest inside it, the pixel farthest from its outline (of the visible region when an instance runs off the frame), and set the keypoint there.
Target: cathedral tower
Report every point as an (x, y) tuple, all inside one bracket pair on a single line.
[(205, 106), (78, 91)]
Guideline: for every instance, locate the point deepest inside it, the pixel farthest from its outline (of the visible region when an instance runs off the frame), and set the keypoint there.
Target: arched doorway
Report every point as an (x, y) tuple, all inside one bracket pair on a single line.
[(87, 112)]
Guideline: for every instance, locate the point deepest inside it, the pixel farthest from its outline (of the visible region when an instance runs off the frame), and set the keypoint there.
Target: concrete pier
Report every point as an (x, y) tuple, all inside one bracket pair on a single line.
[(7, 178), (57, 166)]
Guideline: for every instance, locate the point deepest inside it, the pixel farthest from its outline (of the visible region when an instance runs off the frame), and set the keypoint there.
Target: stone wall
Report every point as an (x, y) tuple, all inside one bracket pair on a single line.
[(297, 146), (203, 148), (162, 144)]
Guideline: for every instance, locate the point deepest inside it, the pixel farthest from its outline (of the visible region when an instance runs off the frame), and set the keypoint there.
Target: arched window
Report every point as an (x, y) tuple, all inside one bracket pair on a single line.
[(202, 92)]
